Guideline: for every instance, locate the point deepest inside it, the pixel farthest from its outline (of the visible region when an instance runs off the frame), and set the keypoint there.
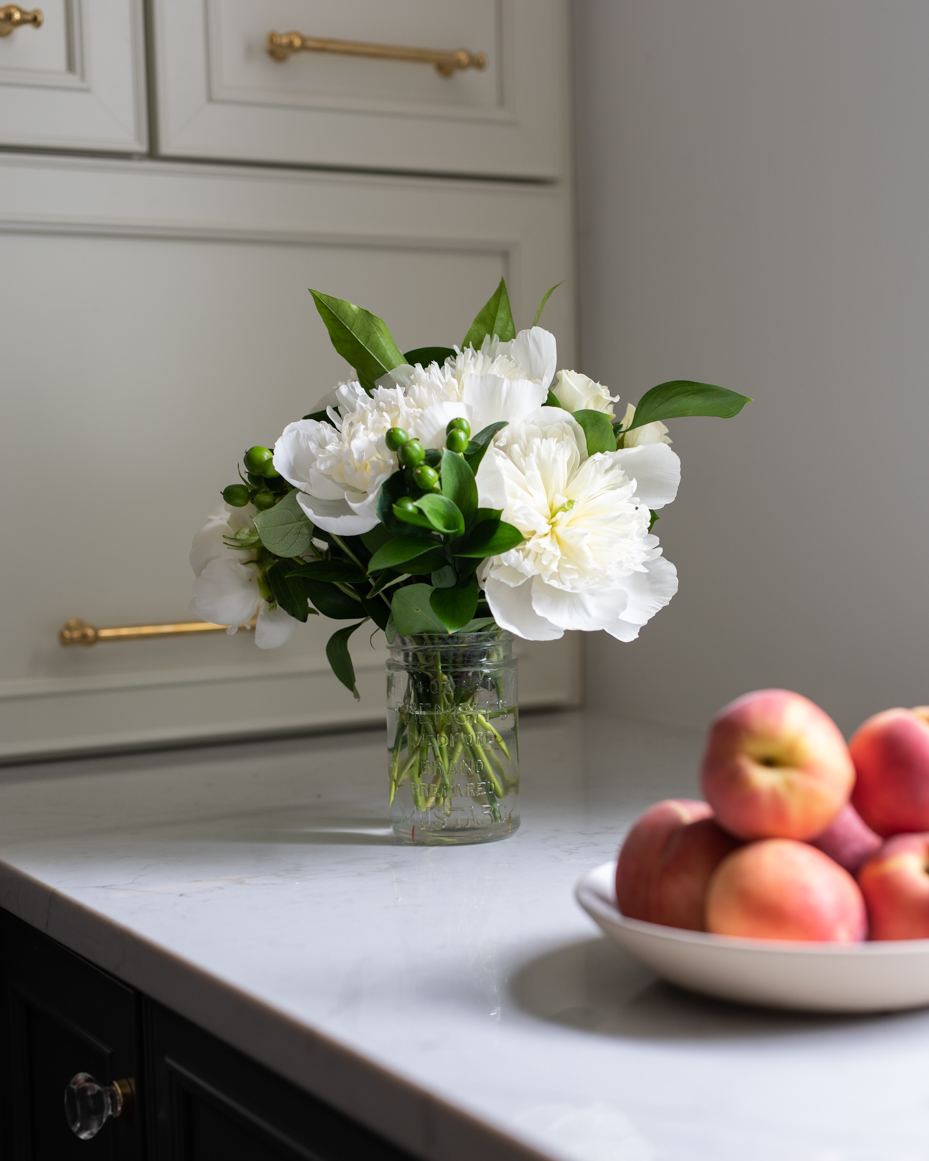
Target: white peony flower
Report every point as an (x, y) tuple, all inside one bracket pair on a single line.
[(588, 560), (648, 433), (575, 392), (338, 467), (226, 586)]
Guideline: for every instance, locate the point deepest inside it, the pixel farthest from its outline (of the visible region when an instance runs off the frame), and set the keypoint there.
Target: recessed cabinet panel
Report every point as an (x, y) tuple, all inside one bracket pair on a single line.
[(76, 80), (221, 94), (173, 328)]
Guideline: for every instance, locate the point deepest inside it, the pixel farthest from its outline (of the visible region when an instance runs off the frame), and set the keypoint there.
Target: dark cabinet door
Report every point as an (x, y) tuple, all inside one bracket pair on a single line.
[(213, 1104), (59, 1015)]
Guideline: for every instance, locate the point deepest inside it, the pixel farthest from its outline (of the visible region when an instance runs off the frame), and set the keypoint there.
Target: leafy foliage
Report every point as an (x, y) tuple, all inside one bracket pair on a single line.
[(458, 482), (426, 355), (598, 431), (479, 444), (285, 529), (494, 318), (545, 297), (681, 397), (413, 613), (361, 338), (341, 660)]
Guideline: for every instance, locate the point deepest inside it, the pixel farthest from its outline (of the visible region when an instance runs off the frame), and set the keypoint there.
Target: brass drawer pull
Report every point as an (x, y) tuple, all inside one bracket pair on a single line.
[(282, 45), (77, 632), (12, 16)]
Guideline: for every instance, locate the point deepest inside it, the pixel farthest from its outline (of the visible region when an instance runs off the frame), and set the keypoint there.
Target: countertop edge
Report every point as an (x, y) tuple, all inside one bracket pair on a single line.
[(392, 1106)]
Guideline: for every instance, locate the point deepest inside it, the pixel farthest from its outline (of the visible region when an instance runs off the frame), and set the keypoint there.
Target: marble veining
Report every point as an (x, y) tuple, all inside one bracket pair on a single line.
[(456, 1000)]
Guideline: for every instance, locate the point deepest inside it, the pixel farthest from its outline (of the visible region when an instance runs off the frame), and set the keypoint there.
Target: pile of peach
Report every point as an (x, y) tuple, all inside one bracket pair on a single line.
[(801, 837)]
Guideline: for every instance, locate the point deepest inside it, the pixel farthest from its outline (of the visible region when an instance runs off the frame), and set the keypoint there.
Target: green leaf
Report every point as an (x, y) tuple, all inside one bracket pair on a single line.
[(392, 489), (479, 515), (340, 658), (479, 444), (545, 297), (331, 601), (654, 520), (378, 536), (329, 570), (398, 550), (455, 607), (443, 514), (551, 400), (681, 397), (494, 318), (390, 632), (425, 564), (288, 593), (412, 612), (285, 529), (490, 539), (361, 338), (444, 577), (598, 429), (426, 355), (403, 516), (458, 482), (319, 416), (377, 609)]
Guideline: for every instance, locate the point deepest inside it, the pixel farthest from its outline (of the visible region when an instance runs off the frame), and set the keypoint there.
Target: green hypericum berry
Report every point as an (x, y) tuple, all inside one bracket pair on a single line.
[(269, 471), (427, 478), (236, 495), (458, 425), (395, 438), (264, 500), (258, 480), (406, 504), (433, 457), (457, 440), (256, 457), (412, 453)]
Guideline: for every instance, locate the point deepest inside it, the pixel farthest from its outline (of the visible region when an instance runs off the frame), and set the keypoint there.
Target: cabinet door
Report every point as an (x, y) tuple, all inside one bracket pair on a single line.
[(170, 328), (220, 93), (76, 81), (59, 1015), (213, 1104)]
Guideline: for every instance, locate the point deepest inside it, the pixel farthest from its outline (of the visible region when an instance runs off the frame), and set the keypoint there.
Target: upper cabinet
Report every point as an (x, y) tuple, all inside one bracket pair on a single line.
[(349, 95), (72, 76)]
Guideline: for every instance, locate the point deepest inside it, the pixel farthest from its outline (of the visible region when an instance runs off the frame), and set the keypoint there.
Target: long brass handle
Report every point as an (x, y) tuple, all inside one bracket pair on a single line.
[(12, 16), (77, 632), (282, 45)]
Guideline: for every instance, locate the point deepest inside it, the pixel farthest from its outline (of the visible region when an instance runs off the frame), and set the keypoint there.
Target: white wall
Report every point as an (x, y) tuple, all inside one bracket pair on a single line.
[(754, 211)]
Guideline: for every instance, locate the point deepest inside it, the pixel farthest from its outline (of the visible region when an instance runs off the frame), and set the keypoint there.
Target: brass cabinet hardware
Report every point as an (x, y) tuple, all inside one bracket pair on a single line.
[(282, 45), (77, 632), (12, 16)]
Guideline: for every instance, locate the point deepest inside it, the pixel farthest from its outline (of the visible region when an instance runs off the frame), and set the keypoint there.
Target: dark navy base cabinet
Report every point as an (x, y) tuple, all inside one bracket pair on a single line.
[(197, 1099)]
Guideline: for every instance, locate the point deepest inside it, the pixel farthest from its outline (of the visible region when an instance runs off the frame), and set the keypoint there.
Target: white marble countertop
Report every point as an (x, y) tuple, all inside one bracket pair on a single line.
[(456, 1000)]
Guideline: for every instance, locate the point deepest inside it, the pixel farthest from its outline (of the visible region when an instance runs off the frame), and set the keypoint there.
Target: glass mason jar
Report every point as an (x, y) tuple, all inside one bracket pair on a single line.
[(453, 764)]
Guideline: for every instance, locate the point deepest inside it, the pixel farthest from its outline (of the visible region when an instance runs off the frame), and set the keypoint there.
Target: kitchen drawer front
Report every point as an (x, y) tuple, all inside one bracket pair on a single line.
[(214, 1104), (220, 94), (77, 81), (59, 1015)]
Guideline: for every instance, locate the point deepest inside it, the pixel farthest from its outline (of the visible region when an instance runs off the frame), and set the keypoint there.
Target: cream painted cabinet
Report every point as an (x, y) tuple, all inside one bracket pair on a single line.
[(72, 77), (170, 328), (220, 93)]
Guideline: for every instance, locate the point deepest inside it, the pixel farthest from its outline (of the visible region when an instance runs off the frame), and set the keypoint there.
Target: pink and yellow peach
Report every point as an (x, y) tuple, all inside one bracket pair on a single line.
[(785, 890), (776, 766), (895, 885), (666, 863), (891, 756)]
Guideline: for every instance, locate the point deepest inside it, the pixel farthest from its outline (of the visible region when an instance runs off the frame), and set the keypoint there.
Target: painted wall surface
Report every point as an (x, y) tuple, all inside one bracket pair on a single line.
[(754, 211)]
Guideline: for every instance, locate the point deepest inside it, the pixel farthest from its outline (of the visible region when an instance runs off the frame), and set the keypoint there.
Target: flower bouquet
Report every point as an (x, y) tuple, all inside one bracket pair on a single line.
[(454, 497)]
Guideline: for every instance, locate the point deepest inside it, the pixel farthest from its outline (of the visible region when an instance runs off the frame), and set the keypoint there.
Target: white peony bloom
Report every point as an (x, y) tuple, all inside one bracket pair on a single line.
[(338, 467), (575, 392), (588, 560), (648, 433), (226, 586)]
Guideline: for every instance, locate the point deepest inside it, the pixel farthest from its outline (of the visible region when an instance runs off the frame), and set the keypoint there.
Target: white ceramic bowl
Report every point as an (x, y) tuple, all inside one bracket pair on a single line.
[(816, 977)]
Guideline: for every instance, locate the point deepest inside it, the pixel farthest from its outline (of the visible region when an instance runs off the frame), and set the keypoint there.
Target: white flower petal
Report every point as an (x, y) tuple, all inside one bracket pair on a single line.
[(512, 609), (226, 591), (576, 392), (336, 516), (534, 350), (274, 627), (656, 470), (577, 610), (649, 591), (491, 398), (208, 543), (430, 426)]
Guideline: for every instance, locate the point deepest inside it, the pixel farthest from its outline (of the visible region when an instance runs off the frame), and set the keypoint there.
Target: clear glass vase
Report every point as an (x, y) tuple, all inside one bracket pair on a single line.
[(453, 762)]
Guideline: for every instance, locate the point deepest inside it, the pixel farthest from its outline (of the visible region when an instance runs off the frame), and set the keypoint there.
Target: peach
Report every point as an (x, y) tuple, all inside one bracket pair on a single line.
[(775, 766), (666, 862), (895, 885), (891, 756), (788, 890), (847, 840)]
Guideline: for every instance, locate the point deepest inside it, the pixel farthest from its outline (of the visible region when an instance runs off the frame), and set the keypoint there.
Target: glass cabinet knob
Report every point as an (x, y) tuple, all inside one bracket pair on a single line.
[(88, 1104)]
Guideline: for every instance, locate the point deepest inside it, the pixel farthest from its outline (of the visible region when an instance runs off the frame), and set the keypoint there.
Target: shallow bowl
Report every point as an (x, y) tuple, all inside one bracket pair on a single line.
[(815, 977)]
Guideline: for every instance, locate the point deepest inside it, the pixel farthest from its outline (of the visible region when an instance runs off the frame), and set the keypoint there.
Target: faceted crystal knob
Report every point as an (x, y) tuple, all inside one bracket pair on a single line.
[(88, 1104)]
